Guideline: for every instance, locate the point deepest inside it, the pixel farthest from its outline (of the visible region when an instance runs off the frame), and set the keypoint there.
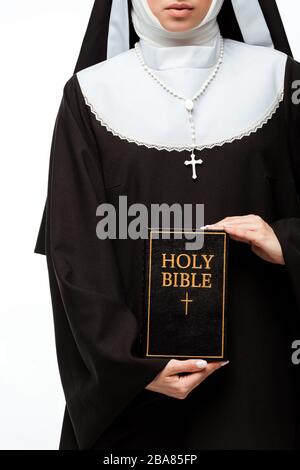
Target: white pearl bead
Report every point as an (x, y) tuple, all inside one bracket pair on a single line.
[(189, 105)]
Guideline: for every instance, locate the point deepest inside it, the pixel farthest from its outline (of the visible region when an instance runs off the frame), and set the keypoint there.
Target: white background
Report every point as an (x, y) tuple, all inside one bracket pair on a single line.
[(39, 45)]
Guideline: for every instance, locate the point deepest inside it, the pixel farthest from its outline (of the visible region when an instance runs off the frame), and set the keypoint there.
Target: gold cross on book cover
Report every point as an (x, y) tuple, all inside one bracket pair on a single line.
[(185, 295)]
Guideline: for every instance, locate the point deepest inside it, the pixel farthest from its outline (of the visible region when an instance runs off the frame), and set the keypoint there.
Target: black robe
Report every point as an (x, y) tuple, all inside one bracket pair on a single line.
[(96, 285)]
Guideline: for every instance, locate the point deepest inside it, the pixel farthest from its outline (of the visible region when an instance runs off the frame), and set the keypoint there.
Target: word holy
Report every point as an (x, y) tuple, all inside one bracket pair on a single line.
[(195, 262)]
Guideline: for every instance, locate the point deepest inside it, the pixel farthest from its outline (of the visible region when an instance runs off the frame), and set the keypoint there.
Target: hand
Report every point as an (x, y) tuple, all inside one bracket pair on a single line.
[(169, 382), (253, 230)]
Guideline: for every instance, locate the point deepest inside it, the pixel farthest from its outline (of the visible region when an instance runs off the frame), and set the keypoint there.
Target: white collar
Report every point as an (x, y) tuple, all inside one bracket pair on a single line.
[(131, 105)]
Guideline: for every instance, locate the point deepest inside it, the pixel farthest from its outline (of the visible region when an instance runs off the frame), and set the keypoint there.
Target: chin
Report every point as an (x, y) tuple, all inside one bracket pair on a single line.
[(177, 26)]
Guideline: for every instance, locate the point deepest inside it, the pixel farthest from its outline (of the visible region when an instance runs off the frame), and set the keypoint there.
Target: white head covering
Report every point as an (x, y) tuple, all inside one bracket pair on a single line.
[(148, 27)]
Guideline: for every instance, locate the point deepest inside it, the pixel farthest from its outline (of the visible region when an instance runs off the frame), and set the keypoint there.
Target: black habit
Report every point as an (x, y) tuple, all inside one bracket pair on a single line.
[(96, 285)]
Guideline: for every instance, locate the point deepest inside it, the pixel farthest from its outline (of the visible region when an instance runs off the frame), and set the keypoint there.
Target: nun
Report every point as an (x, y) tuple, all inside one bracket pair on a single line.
[(177, 102)]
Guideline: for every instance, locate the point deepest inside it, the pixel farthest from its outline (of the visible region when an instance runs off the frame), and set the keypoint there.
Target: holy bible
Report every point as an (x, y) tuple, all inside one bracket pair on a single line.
[(185, 295)]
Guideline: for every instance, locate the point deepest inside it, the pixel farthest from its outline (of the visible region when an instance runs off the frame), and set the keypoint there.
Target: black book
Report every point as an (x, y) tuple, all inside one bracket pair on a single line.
[(185, 295)]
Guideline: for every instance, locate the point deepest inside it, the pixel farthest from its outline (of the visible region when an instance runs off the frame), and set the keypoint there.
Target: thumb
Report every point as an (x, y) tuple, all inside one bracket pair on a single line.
[(175, 366)]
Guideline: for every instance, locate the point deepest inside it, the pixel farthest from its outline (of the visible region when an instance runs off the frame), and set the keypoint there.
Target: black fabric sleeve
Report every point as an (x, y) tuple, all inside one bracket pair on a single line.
[(287, 230), (95, 331)]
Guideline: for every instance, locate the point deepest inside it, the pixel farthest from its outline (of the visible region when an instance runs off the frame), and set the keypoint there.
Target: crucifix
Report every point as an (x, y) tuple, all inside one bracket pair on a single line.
[(187, 300), (194, 162)]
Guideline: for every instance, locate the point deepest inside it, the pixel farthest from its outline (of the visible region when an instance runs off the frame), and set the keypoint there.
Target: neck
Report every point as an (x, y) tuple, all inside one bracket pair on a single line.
[(195, 37), (183, 56)]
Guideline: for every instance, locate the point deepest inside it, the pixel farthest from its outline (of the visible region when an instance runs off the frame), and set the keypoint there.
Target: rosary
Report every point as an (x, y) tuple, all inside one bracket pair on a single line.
[(188, 103)]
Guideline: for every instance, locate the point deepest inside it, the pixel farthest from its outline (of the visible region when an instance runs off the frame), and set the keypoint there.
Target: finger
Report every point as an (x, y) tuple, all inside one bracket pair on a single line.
[(193, 380), (244, 225), (189, 365), (221, 225), (236, 219), (243, 235), (248, 217), (241, 240), (253, 223), (241, 225), (213, 366), (226, 219), (239, 232)]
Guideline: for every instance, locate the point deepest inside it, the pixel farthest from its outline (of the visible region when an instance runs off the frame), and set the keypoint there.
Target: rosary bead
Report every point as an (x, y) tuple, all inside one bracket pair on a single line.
[(189, 105)]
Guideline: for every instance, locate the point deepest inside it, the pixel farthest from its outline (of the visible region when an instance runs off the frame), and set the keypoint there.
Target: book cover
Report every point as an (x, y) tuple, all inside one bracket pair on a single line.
[(185, 295)]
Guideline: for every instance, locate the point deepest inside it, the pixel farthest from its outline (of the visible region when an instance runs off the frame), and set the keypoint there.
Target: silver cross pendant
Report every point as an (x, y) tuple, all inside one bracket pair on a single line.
[(194, 162)]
